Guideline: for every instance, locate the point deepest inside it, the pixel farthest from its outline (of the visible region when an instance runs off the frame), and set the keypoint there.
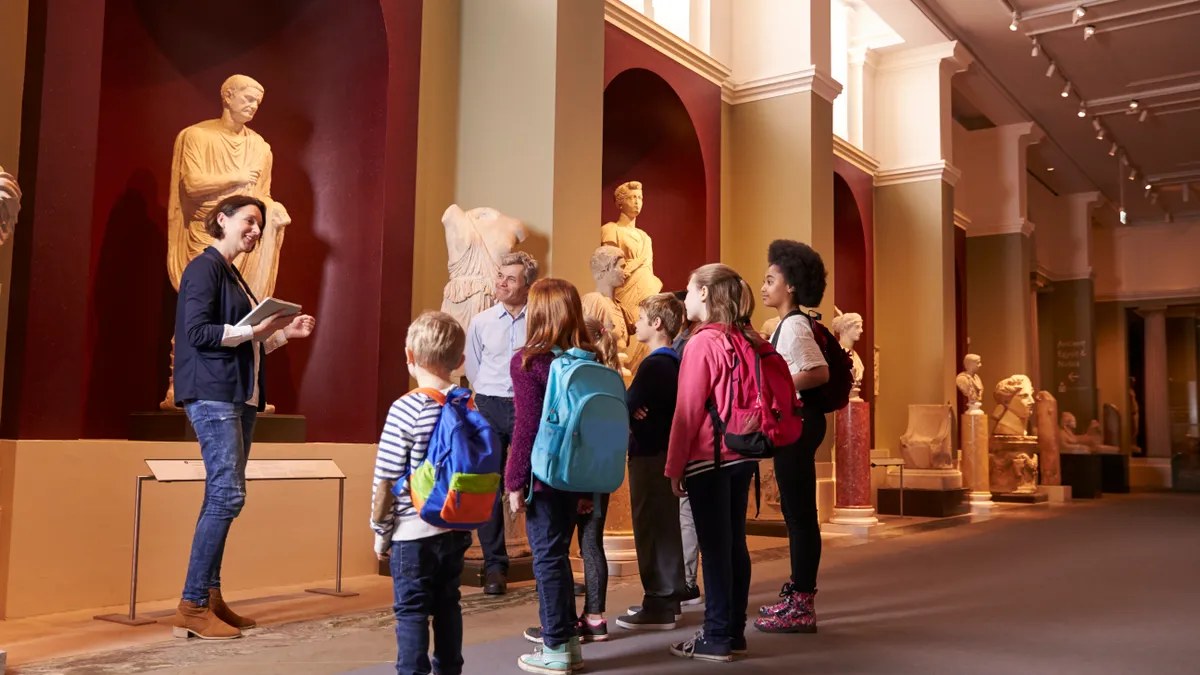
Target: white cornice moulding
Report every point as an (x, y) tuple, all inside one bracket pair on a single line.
[(849, 152), (1022, 226), (940, 169), (1188, 294), (1082, 274), (927, 56), (636, 24), (961, 221), (809, 79)]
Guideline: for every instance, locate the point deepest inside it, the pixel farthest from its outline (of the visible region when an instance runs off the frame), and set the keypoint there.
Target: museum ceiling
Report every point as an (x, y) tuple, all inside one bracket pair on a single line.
[(1122, 97)]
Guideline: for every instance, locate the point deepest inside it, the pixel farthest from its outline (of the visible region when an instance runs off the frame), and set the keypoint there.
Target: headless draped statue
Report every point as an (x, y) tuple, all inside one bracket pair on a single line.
[(213, 160), (10, 204), (476, 240)]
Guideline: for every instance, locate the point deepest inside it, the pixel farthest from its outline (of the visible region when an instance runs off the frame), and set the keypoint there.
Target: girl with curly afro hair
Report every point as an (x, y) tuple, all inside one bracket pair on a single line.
[(795, 283)]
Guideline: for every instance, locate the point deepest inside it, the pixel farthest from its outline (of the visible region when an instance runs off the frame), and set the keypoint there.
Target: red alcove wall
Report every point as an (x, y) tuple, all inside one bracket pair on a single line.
[(662, 126), (340, 114), (854, 260)]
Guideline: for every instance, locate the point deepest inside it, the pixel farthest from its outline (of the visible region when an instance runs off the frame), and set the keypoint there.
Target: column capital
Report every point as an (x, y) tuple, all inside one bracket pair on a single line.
[(1148, 311), (808, 79), (919, 172), (950, 53), (1023, 226), (864, 56)]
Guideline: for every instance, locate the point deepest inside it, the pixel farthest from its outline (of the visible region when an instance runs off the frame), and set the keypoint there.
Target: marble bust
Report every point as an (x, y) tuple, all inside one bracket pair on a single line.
[(213, 160), (640, 282), (608, 270), (969, 382), (849, 328), (10, 204), (1014, 399), (476, 240)]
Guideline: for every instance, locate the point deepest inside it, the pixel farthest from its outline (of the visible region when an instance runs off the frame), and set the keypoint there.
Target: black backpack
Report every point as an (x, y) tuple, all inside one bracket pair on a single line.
[(834, 394)]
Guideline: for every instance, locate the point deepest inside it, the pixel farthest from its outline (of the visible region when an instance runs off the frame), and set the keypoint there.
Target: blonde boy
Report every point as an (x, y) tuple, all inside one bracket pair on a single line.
[(433, 349)]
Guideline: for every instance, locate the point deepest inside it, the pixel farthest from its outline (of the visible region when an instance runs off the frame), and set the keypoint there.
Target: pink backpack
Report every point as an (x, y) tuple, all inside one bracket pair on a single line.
[(762, 417)]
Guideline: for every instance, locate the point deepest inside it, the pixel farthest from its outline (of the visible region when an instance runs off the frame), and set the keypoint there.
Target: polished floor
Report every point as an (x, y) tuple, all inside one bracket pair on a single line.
[(1096, 587)]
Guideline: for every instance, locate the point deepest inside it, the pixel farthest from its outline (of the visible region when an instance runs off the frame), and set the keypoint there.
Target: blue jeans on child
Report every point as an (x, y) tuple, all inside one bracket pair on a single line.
[(224, 431), (549, 521), (718, 499), (425, 581)]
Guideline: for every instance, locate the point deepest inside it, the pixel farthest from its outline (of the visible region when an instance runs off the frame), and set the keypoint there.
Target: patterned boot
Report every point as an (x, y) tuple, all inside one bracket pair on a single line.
[(767, 611), (800, 617)]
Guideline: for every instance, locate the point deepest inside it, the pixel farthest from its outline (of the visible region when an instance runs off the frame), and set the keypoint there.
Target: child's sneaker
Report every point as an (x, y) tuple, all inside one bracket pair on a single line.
[(637, 609), (738, 646), (648, 620), (589, 633), (691, 596), (700, 648), (576, 653), (533, 634), (547, 660)]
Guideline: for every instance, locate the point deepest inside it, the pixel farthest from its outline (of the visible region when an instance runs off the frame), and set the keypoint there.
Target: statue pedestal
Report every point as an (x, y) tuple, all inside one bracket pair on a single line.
[(973, 431), (1084, 473), (926, 479), (1010, 469), (852, 510), (618, 534), (174, 426), (516, 543)]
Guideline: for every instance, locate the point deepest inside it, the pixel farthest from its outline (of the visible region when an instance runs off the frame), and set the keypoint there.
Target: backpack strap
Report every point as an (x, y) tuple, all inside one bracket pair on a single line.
[(431, 393)]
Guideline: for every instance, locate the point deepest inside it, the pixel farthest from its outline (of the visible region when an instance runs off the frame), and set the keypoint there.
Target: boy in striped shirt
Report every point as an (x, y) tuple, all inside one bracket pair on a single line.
[(426, 561)]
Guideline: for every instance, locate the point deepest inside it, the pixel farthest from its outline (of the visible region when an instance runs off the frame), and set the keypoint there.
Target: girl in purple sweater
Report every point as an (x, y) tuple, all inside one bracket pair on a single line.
[(554, 318)]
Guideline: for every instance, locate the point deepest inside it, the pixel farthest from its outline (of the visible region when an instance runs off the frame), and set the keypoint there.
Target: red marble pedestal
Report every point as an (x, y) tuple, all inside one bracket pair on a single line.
[(852, 507)]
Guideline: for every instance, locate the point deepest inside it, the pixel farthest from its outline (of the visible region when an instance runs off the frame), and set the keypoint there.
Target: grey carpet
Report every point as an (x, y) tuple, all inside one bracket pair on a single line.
[(1105, 588)]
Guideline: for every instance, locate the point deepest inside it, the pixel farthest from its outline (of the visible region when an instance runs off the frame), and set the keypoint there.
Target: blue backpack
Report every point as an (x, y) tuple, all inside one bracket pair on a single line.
[(455, 487), (583, 440)]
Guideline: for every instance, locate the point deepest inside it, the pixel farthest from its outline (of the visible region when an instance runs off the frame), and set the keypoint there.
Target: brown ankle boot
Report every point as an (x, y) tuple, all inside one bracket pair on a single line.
[(217, 603), (195, 620)]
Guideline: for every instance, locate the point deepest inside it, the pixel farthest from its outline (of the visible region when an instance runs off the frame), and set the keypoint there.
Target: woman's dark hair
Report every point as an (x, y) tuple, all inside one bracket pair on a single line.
[(230, 206), (802, 269)]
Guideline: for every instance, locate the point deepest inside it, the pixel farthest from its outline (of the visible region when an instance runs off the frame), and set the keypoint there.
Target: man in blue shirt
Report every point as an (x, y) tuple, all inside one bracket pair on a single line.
[(494, 335)]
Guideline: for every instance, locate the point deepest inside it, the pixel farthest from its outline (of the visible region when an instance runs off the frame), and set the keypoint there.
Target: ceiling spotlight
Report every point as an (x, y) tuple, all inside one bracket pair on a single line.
[(1148, 186), (1100, 135), (1037, 49), (1016, 20), (1066, 90), (1088, 32), (1124, 216), (1112, 152), (1078, 14), (1133, 175), (1082, 109), (1153, 197), (1133, 105), (1096, 123), (1051, 69), (1143, 116), (1049, 168)]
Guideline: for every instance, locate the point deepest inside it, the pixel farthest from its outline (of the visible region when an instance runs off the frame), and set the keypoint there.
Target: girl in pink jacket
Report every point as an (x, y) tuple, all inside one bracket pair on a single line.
[(719, 301)]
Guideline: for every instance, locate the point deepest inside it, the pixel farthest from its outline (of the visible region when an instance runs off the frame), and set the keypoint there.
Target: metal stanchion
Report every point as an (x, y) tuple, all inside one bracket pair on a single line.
[(131, 619), (337, 591)]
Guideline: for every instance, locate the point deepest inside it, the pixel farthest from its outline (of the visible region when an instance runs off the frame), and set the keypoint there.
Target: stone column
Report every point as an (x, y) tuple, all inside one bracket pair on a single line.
[(852, 511), (530, 130), (861, 101), (914, 215), (1156, 413), (973, 430)]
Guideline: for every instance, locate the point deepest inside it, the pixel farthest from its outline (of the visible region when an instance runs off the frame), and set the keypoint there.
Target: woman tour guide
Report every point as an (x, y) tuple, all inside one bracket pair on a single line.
[(219, 381)]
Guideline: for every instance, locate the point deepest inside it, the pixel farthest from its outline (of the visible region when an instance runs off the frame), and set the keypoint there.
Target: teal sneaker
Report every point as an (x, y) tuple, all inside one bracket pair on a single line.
[(548, 660), (575, 649)]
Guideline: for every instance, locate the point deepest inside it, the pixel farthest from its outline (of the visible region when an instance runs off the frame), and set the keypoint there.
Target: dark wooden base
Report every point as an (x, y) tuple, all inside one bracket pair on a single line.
[(1114, 473), (924, 503), (1185, 472), (1021, 497), (519, 569), (1085, 475), (766, 528), (173, 425)]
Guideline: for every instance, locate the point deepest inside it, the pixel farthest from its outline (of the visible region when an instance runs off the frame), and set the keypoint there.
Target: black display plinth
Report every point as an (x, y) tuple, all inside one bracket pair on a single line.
[(173, 425), (1085, 475), (1021, 497), (519, 569), (766, 528), (1114, 473), (1185, 472), (924, 503)]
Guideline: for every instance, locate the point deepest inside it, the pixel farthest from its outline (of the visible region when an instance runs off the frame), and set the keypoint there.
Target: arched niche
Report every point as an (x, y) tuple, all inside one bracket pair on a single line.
[(853, 273), (649, 137), (328, 112)]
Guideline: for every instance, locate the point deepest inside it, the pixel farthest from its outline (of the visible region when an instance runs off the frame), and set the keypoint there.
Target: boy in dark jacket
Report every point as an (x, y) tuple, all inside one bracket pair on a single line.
[(656, 529)]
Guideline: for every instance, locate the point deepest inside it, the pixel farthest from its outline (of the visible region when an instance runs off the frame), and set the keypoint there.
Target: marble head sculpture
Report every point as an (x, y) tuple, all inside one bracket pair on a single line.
[(969, 382), (1014, 399), (10, 204), (849, 328), (608, 269)]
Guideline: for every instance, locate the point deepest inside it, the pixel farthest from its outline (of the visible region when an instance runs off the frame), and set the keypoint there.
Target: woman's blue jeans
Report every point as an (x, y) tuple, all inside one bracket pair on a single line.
[(224, 431)]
